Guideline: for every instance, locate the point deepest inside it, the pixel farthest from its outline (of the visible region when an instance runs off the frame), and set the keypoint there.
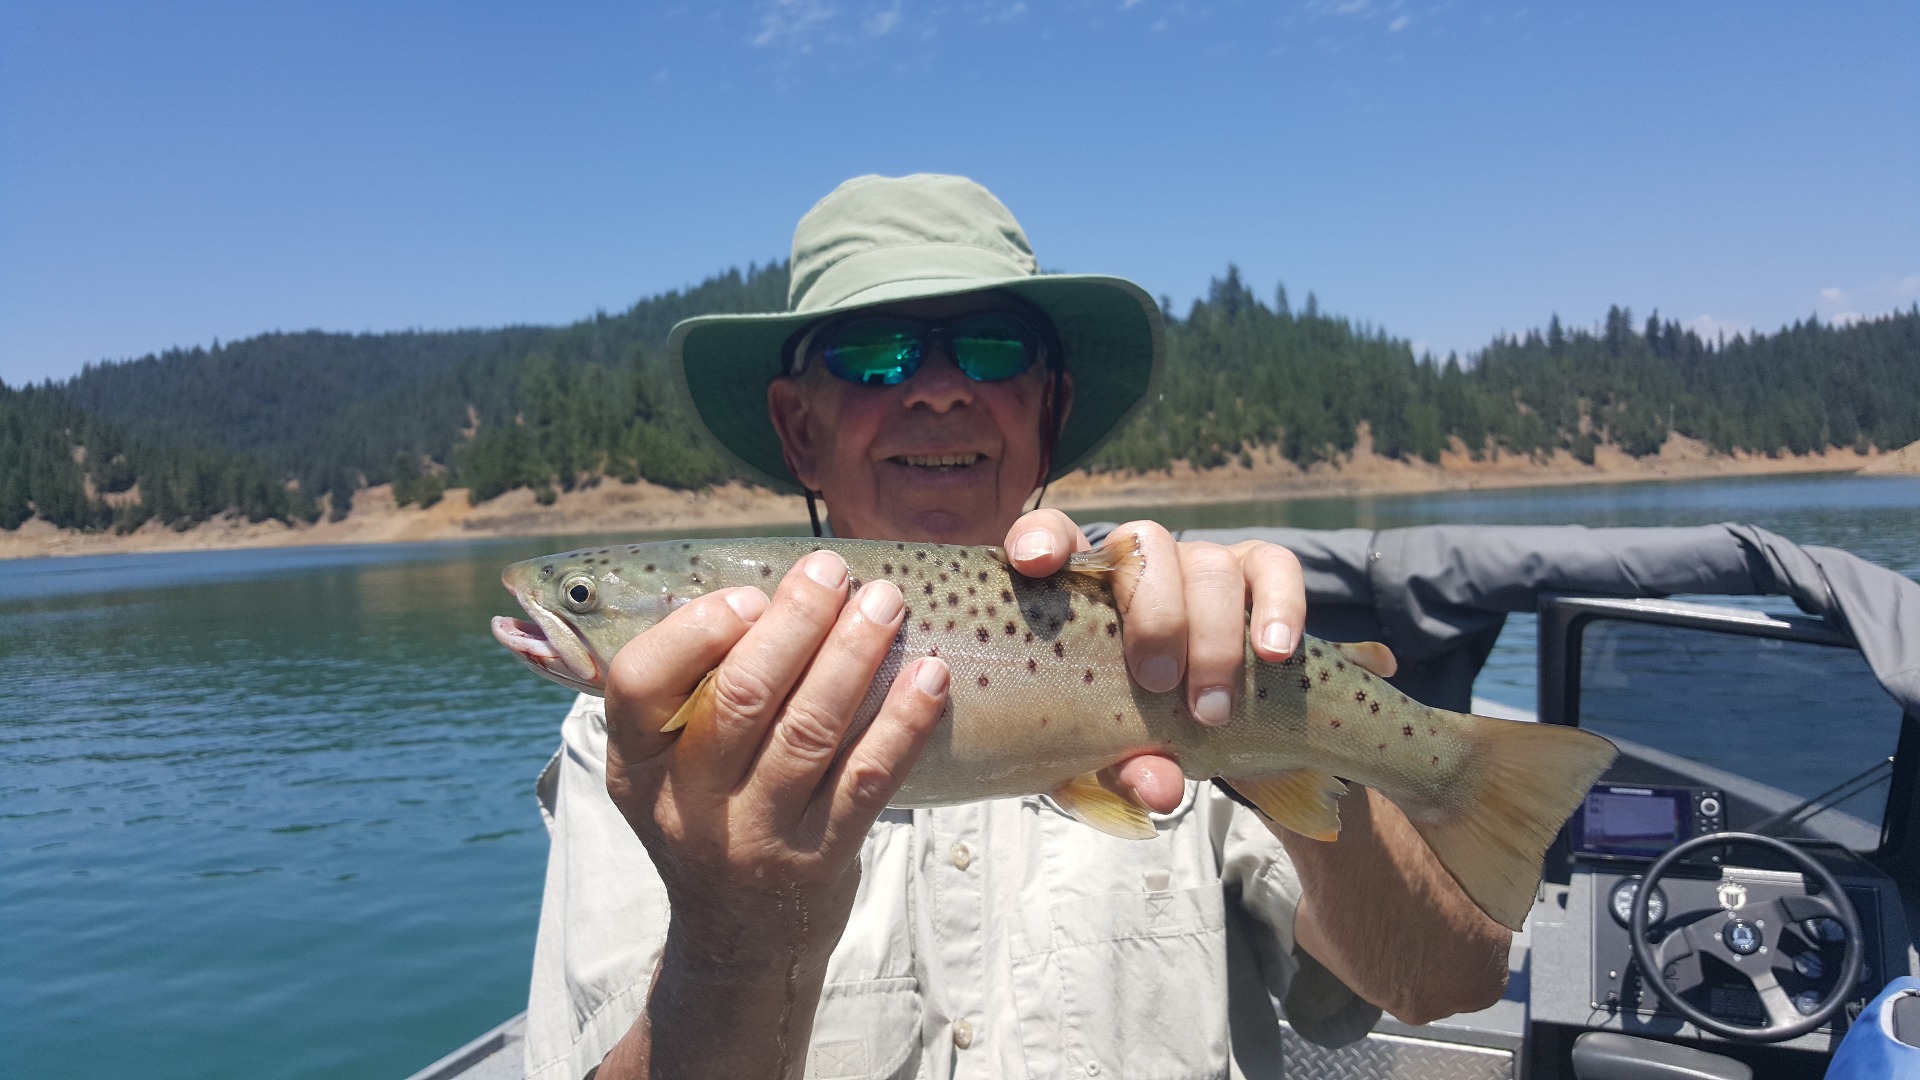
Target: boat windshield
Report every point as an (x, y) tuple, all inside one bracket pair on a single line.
[(1780, 722)]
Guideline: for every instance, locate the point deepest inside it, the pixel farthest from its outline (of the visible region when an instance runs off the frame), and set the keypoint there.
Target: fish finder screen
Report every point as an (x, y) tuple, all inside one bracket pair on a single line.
[(1631, 822)]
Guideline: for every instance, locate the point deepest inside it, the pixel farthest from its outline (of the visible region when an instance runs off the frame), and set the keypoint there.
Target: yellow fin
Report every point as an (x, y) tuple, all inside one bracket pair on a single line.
[(1371, 655), (695, 700), (1304, 800), (1119, 553), (1093, 803), (1525, 781)]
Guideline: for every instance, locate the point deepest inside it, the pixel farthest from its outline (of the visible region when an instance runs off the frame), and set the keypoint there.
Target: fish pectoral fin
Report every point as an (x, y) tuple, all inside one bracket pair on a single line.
[(1371, 655), (1307, 801), (1119, 553), (1093, 803), (699, 699)]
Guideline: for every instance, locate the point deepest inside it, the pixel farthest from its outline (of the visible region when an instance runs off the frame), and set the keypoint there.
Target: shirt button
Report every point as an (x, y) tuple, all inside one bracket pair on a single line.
[(961, 856), (962, 1034)]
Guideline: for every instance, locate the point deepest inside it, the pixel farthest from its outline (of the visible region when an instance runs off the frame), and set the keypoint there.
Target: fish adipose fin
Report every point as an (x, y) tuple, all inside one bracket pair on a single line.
[(1119, 553), (699, 699), (1530, 778), (1371, 655), (1306, 801), (1093, 803)]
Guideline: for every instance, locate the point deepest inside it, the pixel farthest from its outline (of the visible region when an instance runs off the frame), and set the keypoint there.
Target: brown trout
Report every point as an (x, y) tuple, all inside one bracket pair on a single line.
[(1041, 700)]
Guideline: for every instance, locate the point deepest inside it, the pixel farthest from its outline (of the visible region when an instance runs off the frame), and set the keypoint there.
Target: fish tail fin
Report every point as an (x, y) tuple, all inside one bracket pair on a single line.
[(1118, 555), (1527, 780)]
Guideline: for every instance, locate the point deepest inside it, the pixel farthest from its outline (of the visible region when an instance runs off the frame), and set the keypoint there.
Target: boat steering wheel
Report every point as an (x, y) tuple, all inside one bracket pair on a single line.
[(1747, 940)]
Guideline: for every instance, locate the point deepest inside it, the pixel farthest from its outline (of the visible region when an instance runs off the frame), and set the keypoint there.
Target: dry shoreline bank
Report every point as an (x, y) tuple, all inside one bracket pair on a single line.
[(611, 506)]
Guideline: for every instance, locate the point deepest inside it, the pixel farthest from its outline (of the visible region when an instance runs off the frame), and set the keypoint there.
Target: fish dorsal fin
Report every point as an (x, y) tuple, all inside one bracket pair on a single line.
[(1119, 554), (1093, 803), (1371, 655), (1304, 800), (697, 700)]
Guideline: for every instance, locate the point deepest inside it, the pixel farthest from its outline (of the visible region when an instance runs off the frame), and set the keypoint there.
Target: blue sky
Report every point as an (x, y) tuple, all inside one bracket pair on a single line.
[(171, 174)]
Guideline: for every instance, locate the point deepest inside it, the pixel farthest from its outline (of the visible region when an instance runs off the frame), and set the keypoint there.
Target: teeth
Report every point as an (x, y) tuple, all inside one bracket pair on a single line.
[(934, 461)]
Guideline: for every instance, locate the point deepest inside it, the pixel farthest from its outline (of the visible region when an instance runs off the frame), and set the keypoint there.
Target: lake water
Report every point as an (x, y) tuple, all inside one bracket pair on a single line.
[(270, 813)]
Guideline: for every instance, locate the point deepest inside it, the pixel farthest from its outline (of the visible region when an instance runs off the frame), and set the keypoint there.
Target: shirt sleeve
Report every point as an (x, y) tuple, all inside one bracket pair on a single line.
[(1321, 1008), (603, 914)]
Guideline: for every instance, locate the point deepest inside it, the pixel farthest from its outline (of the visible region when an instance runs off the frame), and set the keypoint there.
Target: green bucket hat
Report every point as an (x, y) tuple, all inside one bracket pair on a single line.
[(879, 240)]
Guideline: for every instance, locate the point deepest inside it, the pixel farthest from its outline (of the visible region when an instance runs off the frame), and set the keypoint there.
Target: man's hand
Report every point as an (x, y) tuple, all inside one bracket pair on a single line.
[(751, 813), (1187, 617)]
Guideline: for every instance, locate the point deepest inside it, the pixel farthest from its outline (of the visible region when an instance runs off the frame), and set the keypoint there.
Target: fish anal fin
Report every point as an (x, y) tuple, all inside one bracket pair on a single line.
[(1093, 803), (1371, 655), (1306, 801), (1120, 553), (699, 699), (1526, 780)]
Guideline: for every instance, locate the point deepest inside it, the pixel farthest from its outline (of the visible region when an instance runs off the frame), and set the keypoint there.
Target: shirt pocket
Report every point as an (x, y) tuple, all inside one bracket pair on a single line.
[(866, 1030)]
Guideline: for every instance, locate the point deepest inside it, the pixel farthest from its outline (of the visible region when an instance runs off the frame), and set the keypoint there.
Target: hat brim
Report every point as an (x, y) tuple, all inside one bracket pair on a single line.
[(1110, 330)]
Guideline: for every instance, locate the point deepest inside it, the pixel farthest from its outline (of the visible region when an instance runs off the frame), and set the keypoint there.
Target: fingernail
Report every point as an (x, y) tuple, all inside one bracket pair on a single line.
[(1277, 637), (827, 568), (931, 677), (1037, 544), (1213, 707), (747, 602), (1158, 673), (880, 601)]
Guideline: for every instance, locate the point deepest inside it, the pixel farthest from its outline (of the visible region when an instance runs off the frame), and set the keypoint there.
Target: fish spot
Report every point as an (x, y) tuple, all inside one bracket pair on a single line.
[(900, 547), (1261, 693), (993, 611), (982, 680), (1364, 677), (955, 567), (972, 591), (1006, 596), (952, 598), (1071, 615), (1012, 629), (1088, 677), (1340, 665), (693, 560), (981, 633), (1032, 665), (1359, 695), (1334, 723), (1317, 654), (1116, 718), (983, 575), (1045, 720), (943, 576), (950, 626), (1433, 731), (935, 651), (689, 547), (1113, 629), (926, 626), (973, 611), (548, 569), (1325, 674), (765, 570), (1407, 731), (1433, 760), (1029, 637), (1306, 683), (649, 568), (1382, 746), (1059, 648), (921, 555), (886, 568), (927, 589)]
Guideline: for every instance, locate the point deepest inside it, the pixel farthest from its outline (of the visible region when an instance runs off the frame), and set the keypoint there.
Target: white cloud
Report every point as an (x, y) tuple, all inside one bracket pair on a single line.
[(1853, 303), (882, 23), (1399, 24), (793, 23), (1127, 4), (1711, 328)]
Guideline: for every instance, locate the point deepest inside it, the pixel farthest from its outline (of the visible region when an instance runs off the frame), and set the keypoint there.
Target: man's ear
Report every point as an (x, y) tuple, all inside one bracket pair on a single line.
[(787, 408)]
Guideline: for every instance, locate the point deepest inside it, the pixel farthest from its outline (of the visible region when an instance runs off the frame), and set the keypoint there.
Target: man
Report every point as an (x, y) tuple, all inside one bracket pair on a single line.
[(736, 900)]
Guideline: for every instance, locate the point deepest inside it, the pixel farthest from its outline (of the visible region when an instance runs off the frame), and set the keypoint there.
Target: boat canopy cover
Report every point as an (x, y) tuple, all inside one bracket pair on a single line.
[(1438, 595)]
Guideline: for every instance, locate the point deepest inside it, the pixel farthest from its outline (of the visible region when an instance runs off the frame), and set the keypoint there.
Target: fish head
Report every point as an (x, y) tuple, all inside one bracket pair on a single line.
[(582, 606)]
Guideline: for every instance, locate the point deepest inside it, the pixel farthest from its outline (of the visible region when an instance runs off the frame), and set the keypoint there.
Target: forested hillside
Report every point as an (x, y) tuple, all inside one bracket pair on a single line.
[(282, 425)]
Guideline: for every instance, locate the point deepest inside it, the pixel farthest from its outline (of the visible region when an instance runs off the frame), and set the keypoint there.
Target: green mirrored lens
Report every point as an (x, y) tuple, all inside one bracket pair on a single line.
[(993, 347), (874, 352)]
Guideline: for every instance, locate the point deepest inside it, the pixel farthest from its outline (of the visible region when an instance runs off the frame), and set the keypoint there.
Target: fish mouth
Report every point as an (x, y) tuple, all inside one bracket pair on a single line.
[(564, 659)]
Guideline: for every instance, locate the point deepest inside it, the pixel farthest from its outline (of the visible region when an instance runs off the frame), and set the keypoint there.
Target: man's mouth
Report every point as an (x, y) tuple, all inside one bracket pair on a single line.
[(937, 461)]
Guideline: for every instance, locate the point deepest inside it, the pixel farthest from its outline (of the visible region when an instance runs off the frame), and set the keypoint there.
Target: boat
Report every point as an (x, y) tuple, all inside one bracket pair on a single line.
[(1755, 848)]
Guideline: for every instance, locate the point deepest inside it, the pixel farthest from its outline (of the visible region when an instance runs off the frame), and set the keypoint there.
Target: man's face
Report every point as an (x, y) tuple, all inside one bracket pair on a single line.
[(937, 458)]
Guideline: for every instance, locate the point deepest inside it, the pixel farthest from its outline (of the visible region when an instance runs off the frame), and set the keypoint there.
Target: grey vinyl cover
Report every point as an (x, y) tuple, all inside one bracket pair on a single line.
[(1438, 595)]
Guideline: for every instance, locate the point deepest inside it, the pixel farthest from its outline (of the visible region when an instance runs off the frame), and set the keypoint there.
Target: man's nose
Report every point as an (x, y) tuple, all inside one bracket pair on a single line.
[(939, 384)]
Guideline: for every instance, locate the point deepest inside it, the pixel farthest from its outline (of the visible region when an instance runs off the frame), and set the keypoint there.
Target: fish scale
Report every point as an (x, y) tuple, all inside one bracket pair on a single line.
[(1041, 700)]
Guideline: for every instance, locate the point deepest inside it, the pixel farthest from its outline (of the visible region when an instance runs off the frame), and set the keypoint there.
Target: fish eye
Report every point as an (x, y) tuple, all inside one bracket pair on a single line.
[(580, 593)]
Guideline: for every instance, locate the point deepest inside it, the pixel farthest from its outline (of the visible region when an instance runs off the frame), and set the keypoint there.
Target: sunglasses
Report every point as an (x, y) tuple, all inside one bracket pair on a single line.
[(886, 350)]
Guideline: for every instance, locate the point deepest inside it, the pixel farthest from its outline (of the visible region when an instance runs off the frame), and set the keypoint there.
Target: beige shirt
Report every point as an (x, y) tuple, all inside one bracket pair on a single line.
[(995, 939)]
